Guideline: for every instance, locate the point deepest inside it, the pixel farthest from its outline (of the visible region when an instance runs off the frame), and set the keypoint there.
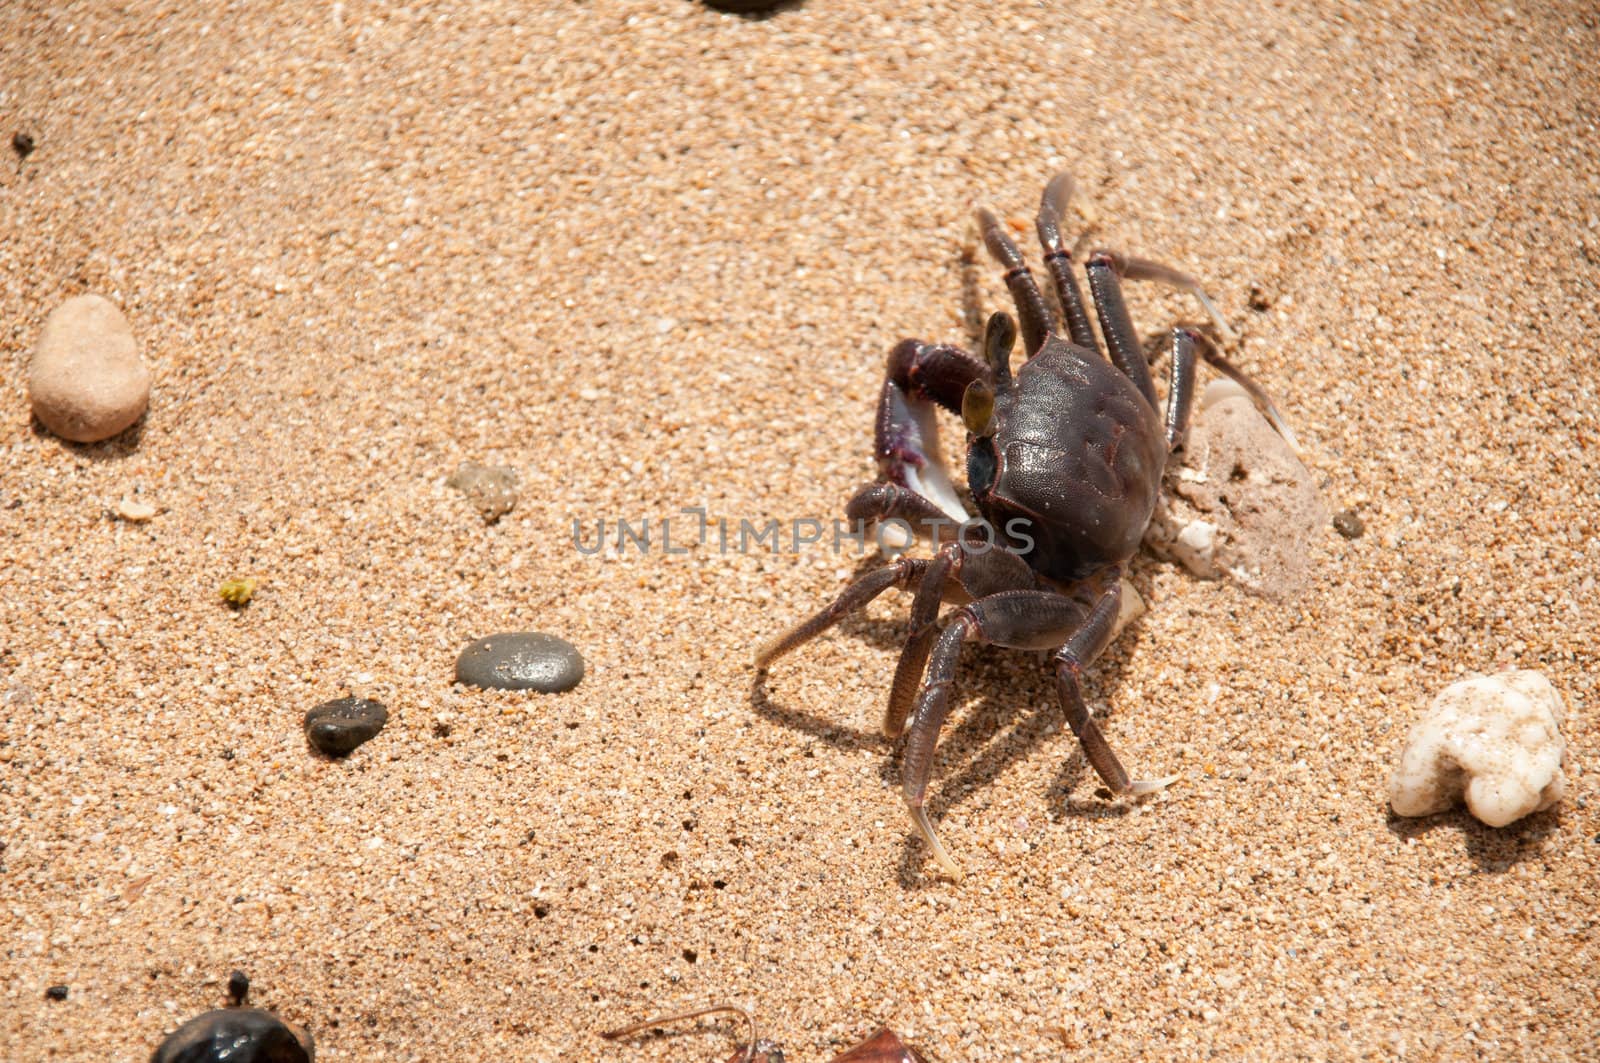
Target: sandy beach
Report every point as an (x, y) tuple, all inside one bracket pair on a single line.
[(652, 257)]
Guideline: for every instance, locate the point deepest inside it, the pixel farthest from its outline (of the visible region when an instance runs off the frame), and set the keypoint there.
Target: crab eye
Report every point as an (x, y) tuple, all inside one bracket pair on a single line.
[(981, 467), (977, 407), (999, 336)]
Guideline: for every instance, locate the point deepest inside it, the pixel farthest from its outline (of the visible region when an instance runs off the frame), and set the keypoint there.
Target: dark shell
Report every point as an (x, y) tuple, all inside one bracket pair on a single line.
[(235, 1035)]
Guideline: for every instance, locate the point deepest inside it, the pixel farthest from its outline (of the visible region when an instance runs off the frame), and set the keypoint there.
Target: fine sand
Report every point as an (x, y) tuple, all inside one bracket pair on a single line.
[(652, 257)]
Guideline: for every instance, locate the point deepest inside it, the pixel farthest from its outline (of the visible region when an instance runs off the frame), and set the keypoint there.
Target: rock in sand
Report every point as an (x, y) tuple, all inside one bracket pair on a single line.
[(87, 381)]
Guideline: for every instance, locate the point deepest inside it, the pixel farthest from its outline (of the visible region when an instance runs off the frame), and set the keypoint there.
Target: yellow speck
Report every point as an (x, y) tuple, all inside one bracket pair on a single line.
[(238, 591)]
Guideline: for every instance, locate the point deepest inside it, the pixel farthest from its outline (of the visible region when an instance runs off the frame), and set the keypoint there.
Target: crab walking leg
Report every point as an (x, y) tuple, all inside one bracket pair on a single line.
[(905, 571), (1081, 648), (1142, 269), (1022, 619), (1180, 388), (1116, 324), (1257, 393), (919, 640), (1058, 259), (1032, 310), (971, 571)]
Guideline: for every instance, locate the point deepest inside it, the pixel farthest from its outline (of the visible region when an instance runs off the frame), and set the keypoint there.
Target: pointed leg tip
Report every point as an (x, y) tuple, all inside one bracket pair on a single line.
[(941, 856), (1140, 787)]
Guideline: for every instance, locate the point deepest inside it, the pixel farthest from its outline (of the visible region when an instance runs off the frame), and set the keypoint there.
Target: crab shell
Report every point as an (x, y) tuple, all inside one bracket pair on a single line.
[(1069, 467)]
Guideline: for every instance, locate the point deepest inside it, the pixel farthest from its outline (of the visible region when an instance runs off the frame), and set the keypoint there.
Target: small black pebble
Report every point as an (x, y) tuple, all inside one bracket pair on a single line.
[(690, 955), (22, 144), (1260, 298), (521, 660), (238, 987), (56, 992), (743, 7), (237, 1035), (1348, 523), (337, 727)]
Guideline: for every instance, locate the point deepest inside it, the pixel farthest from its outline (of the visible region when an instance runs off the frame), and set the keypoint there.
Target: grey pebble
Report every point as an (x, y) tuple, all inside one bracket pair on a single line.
[(237, 1035), (521, 660), (337, 727)]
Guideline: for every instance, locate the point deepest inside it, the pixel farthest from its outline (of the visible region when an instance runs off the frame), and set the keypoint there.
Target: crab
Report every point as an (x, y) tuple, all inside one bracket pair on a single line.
[(1065, 458)]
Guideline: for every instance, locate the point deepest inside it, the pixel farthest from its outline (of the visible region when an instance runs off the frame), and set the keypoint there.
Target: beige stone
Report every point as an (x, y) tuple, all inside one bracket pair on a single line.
[(1241, 505), (87, 381)]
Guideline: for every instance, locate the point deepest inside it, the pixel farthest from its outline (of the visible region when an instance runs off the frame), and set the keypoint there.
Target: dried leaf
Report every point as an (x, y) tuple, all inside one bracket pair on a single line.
[(882, 1047)]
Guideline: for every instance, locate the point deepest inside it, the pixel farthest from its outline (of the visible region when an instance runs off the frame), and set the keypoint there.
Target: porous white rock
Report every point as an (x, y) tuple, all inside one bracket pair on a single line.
[(1241, 505), (1493, 739), (87, 381)]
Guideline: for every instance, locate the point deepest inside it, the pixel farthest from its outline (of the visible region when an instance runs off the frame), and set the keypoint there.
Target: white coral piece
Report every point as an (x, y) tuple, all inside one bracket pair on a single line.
[(1495, 738)]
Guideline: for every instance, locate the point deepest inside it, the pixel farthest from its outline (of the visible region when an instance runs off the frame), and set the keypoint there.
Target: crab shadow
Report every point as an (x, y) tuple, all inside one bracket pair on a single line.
[(1015, 712), (1494, 850)]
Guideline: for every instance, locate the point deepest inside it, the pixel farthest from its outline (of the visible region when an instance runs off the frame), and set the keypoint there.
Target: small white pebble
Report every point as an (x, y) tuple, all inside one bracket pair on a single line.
[(133, 510), (1198, 536)]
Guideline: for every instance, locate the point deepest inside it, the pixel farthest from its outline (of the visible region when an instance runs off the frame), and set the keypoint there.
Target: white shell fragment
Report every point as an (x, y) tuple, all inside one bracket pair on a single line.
[(135, 511), (1494, 738)]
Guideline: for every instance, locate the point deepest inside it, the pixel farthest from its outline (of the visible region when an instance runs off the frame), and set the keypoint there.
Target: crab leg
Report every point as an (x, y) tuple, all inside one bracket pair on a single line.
[(901, 573), (1019, 619), (1080, 650), (919, 639), (958, 573), (1116, 324), (1058, 259), (1032, 310), (1142, 269), (1180, 387), (1257, 393)]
